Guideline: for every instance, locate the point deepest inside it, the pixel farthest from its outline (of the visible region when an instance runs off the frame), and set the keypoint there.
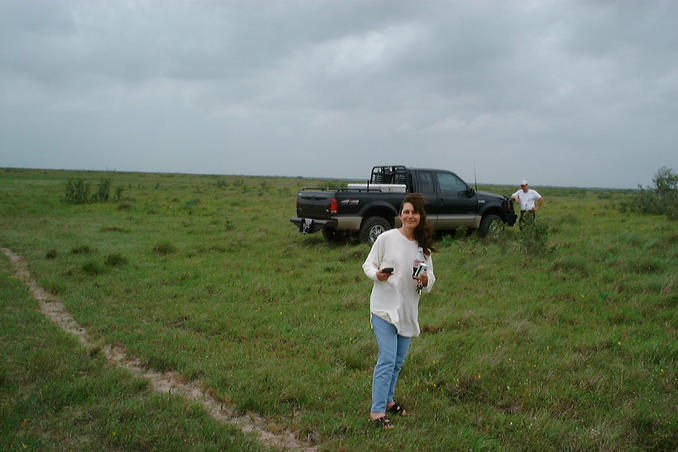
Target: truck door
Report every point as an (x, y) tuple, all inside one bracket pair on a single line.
[(458, 205), (426, 185)]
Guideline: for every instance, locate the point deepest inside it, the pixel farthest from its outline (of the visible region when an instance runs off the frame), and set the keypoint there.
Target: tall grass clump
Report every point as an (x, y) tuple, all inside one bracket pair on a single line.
[(103, 190), (534, 238), (92, 267), (77, 191), (81, 249), (115, 260)]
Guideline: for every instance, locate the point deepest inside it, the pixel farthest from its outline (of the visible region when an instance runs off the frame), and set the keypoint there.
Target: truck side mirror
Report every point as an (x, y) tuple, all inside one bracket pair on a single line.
[(470, 192)]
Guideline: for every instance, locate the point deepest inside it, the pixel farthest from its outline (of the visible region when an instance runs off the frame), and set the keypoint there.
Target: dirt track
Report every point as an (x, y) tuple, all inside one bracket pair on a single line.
[(165, 382)]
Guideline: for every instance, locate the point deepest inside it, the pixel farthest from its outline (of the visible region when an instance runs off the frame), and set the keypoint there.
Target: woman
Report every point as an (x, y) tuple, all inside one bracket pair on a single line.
[(392, 264)]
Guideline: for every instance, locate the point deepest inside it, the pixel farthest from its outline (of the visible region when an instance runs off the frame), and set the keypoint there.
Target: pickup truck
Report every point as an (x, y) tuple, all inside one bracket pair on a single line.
[(368, 209)]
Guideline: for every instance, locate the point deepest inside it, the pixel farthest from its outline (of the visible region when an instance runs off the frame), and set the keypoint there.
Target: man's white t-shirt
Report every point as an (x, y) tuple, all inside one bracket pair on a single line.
[(528, 199), (396, 300)]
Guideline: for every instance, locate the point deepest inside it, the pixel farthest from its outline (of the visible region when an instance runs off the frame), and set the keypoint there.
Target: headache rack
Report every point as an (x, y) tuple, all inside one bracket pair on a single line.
[(389, 175), (393, 178)]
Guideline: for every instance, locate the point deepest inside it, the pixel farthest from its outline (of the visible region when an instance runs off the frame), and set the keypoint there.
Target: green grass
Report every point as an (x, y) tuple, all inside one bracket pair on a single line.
[(56, 395), (573, 347)]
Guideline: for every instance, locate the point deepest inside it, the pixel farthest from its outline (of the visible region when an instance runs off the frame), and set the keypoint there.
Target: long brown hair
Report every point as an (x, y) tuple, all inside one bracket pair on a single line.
[(423, 233)]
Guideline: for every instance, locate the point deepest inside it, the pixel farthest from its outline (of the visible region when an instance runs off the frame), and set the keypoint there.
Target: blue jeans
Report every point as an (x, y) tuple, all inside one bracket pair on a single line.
[(392, 352)]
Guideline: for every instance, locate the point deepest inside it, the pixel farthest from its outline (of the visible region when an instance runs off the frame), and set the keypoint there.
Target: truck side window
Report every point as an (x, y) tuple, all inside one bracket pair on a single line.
[(426, 184), (449, 183)]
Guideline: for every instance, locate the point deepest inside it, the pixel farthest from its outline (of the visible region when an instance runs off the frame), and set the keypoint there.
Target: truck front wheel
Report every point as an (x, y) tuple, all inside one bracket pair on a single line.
[(490, 225), (372, 228)]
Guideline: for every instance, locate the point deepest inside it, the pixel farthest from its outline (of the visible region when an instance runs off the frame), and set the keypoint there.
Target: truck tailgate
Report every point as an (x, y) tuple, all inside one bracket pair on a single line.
[(314, 204)]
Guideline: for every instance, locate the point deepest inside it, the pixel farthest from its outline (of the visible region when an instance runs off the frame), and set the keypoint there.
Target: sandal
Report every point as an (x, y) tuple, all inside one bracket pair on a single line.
[(397, 408), (383, 423)]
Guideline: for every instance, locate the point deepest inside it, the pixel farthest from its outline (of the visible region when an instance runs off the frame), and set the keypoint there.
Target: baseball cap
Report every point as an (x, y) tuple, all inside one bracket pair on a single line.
[(523, 182)]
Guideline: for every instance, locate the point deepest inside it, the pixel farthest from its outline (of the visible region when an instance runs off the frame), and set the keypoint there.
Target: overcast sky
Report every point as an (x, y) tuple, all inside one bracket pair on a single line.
[(566, 93)]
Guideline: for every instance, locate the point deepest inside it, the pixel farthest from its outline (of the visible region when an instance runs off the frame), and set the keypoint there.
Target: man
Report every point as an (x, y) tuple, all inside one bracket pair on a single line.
[(527, 198)]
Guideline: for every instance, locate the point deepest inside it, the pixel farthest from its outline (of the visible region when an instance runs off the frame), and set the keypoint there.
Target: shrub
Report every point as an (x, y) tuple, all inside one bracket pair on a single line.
[(660, 200), (534, 237), (77, 191), (118, 192), (103, 190), (222, 184)]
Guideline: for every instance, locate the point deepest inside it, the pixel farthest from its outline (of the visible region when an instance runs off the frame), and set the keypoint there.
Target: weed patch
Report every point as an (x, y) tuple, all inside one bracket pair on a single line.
[(164, 248), (82, 249), (576, 265), (126, 205), (77, 191), (54, 284), (115, 260), (643, 265), (92, 267), (465, 389)]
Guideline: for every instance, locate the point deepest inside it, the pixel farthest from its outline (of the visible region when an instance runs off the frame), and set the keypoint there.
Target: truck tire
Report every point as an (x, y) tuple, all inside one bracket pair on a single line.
[(490, 225), (332, 235), (372, 228)]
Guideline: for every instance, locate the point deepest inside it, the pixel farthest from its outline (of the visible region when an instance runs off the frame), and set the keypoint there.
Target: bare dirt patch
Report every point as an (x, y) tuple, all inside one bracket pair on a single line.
[(166, 382)]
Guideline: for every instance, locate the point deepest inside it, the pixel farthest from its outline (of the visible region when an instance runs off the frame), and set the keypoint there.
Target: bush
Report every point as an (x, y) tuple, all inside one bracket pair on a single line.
[(660, 200), (534, 237), (77, 191), (103, 191)]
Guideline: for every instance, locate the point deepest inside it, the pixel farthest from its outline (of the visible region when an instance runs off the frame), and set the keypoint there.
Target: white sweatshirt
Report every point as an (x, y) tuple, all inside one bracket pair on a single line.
[(396, 300)]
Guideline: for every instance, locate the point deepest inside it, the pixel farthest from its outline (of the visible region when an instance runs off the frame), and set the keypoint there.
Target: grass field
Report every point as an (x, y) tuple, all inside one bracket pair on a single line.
[(572, 345)]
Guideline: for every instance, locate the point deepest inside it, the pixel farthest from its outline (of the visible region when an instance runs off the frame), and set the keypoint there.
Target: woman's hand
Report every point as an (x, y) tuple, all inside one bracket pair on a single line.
[(382, 276), (423, 279)]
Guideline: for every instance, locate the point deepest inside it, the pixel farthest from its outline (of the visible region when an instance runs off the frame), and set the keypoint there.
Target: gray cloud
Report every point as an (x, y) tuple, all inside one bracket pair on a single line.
[(563, 93)]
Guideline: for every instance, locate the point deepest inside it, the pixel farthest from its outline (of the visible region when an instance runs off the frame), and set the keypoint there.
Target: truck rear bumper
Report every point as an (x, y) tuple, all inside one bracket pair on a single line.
[(310, 225)]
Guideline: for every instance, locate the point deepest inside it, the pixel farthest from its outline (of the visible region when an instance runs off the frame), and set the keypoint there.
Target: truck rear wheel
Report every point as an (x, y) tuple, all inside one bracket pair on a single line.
[(372, 228), (490, 225)]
